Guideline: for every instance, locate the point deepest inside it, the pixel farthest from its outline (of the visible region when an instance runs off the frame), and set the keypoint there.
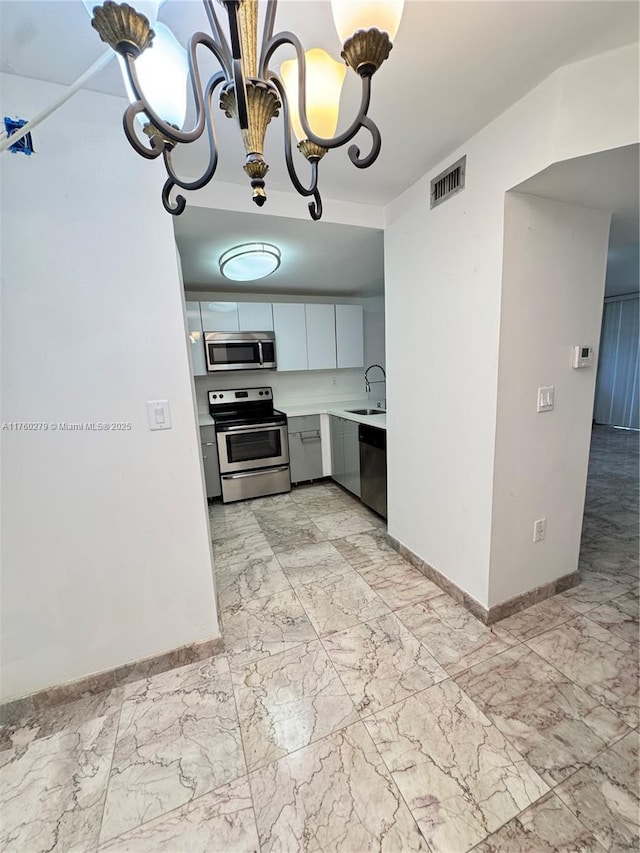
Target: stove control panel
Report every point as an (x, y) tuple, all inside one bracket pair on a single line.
[(239, 396)]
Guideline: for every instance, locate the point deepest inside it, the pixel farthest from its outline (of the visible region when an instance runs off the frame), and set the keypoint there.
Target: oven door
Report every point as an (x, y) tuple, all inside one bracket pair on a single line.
[(245, 448)]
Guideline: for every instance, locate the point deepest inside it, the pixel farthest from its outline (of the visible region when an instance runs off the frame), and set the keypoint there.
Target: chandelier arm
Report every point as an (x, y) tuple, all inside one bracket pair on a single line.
[(176, 208), (151, 151), (335, 141), (168, 130), (209, 171), (267, 35), (239, 82), (315, 206), (218, 32), (288, 148), (372, 156)]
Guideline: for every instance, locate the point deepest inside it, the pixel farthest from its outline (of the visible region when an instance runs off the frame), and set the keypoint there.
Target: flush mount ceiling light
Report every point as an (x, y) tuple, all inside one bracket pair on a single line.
[(249, 261), (306, 88)]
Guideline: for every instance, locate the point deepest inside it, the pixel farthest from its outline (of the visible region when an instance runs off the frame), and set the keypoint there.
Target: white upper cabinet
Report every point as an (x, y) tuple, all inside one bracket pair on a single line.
[(308, 336), (219, 316), (195, 339), (321, 336), (255, 316), (289, 326), (349, 336)]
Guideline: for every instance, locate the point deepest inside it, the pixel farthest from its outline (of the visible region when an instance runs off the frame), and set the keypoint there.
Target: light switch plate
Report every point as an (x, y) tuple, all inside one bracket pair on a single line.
[(546, 398), (159, 414)]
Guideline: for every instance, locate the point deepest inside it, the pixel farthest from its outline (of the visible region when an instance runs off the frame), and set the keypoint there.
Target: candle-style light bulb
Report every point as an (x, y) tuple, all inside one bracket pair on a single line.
[(350, 16), (162, 71), (324, 79)]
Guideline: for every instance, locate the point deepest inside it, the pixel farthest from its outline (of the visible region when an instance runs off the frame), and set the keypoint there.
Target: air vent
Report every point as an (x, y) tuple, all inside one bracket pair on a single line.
[(449, 182)]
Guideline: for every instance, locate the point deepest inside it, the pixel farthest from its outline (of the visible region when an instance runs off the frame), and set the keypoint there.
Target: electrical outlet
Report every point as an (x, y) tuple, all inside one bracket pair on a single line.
[(539, 529)]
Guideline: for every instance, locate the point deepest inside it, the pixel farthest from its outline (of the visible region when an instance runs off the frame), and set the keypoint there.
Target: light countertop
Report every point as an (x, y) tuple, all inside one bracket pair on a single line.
[(335, 407), (332, 407)]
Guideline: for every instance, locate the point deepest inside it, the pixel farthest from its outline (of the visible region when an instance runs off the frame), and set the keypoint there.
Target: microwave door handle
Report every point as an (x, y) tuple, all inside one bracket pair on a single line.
[(260, 355)]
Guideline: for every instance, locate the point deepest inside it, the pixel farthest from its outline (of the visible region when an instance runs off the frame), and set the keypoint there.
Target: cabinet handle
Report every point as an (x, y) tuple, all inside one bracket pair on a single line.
[(255, 429), (243, 474), (314, 437)]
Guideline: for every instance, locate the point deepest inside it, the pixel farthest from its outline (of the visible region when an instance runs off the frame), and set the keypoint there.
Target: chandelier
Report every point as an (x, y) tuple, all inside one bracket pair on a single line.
[(307, 89)]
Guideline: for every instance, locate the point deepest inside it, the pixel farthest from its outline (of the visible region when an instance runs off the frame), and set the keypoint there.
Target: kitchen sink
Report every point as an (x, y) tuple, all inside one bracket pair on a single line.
[(366, 411)]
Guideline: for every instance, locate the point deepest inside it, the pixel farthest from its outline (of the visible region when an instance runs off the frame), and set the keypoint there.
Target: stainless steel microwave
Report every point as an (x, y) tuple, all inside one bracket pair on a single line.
[(240, 350)]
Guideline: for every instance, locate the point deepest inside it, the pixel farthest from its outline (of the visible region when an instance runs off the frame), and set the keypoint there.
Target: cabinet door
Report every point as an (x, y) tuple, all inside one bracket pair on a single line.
[(305, 448), (351, 457), (255, 317), (291, 335), (210, 463), (349, 336), (321, 336), (219, 316), (305, 455), (195, 339)]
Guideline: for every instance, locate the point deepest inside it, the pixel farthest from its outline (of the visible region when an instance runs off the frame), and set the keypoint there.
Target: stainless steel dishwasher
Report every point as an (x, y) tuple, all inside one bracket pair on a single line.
[(373, 468)]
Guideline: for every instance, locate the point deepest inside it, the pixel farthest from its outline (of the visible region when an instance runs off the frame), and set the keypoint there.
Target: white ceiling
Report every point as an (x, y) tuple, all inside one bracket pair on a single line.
[(608, 180), (317, 257), (455, 66)]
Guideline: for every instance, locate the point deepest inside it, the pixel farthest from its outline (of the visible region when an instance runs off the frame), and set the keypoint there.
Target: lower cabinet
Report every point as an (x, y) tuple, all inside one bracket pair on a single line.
[(305, 448), (345, 454), (210, 461)]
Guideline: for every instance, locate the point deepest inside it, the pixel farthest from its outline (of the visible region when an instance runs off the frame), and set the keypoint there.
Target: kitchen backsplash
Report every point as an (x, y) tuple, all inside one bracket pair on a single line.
[(288, 387)]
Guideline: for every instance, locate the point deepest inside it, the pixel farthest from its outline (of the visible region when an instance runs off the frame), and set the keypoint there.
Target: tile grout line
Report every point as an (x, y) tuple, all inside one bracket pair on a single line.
[(575, 683), (584, 764), (360, 720), (260, 598), (450, 677), (242, 741), (244, 755), (108, 785), (518, 642)]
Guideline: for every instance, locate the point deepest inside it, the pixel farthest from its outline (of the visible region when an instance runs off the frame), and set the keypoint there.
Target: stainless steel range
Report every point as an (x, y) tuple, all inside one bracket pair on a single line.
[(253, 448)]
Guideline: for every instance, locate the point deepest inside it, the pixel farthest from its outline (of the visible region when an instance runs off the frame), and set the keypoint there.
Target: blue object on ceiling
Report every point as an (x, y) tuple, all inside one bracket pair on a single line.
[(24, 145)]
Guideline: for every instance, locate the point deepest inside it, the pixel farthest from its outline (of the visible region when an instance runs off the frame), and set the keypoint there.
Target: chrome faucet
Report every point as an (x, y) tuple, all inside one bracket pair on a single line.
[(367, 384)]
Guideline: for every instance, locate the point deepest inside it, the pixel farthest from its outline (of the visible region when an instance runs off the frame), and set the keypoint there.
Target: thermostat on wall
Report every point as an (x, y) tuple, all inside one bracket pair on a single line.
[(582, 356)]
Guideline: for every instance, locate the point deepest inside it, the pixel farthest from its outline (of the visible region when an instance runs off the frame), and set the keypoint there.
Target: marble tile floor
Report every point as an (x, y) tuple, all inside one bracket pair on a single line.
[(357, 707)]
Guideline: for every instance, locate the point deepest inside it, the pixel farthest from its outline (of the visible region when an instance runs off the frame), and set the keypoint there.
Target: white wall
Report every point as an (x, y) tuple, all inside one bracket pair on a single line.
[(443, 271), (374, 335), (105, 542), (552, 289), (290, 387)]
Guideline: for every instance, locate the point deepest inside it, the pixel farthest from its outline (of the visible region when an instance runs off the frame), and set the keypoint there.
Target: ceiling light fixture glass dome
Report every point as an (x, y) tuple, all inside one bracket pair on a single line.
[(249, 261)]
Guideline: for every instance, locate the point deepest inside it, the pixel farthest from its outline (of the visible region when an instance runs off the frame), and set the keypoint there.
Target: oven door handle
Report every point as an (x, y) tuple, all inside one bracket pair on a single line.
[(261, 428), (242, 474)]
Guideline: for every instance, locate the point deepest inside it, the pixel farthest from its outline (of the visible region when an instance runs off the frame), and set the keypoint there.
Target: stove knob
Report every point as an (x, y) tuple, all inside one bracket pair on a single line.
[(221, 396), (214, 396), (261, 393)]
